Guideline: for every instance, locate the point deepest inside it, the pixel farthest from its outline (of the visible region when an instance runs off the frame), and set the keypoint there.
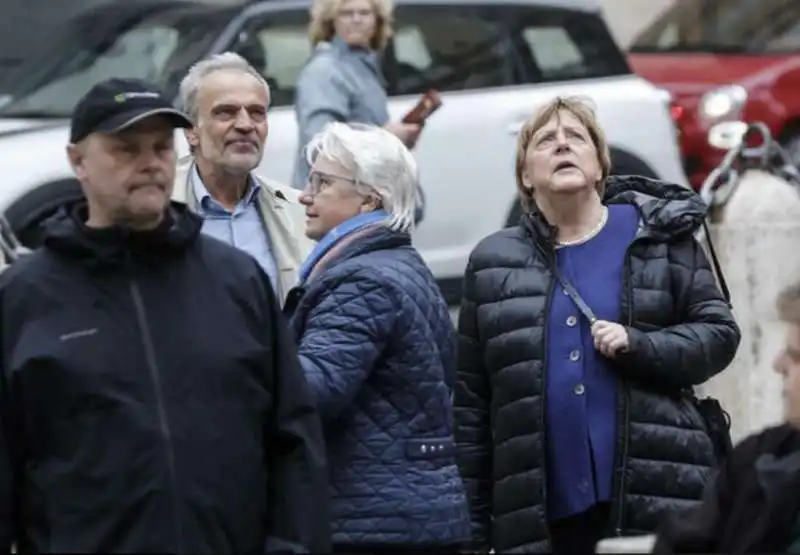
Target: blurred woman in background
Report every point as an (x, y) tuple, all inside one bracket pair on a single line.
[(343, 80)]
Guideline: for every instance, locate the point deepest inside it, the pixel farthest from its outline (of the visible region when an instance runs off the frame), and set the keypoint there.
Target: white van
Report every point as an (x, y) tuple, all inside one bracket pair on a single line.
[(493, 61)]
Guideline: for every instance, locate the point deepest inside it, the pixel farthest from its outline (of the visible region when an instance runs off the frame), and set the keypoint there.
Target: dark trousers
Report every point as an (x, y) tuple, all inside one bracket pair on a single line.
[(580, 533)]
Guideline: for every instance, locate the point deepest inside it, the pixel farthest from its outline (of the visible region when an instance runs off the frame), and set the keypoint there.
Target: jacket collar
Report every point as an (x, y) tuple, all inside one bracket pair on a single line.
[(182, 189), (67, 234), (201, 193), (282, 215), (376, 238), (370, 58), (668, 211)]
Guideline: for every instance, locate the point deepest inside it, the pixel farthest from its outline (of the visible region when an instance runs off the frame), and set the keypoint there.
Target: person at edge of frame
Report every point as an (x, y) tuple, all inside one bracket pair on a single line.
[(151, 397)]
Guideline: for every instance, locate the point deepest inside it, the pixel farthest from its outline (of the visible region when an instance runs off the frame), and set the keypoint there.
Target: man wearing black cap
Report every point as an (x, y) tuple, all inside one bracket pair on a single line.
[(151, 400)]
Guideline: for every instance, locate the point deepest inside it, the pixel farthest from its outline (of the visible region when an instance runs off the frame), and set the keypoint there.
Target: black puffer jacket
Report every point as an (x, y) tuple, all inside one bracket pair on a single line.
[(681, 332)]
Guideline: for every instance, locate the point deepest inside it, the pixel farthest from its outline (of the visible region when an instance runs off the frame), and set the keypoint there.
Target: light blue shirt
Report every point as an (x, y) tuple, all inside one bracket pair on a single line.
[(243, 228)]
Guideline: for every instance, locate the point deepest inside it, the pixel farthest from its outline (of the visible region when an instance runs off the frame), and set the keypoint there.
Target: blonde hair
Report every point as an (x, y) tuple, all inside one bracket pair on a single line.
[(324, 12), (584, 111), (789, 304)]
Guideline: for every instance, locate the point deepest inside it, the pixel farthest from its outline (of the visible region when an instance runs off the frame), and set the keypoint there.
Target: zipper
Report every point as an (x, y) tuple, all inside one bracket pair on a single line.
[(155, 375), (550, 257), (543, 410), (625, 397)]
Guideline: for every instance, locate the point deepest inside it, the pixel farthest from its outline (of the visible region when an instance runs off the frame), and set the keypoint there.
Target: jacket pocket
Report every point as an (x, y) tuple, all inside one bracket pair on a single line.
[(430, 448)]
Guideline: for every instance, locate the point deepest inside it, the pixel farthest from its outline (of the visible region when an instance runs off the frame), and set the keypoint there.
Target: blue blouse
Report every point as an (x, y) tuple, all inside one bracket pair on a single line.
[(581, 386)]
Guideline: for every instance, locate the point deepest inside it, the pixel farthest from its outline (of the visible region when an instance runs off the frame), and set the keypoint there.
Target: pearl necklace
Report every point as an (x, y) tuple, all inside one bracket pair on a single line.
[(592, 233)]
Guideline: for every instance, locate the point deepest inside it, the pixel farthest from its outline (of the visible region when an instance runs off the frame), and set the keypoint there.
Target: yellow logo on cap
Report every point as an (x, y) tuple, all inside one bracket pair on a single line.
[(122, 97)]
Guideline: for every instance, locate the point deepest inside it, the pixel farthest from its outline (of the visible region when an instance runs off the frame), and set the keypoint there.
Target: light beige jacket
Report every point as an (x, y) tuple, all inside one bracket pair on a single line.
[(283, 216)]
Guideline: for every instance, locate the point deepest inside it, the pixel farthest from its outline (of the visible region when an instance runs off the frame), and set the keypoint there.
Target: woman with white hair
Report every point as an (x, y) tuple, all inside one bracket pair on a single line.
[(378, 348)]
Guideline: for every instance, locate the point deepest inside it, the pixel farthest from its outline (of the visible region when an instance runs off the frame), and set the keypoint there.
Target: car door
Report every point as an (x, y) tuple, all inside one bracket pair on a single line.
[(464, 153), (493, 64)]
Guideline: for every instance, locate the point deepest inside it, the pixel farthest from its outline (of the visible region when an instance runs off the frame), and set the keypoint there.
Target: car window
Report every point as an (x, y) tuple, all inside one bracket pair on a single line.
[(724, 26), (29, 25), (278, 46), (159, 48), (560, 45), (787, 41), (553, 49), (447, 48)]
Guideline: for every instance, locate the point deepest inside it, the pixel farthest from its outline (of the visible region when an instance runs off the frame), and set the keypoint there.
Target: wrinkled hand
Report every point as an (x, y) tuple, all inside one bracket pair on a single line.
[(406, 132), (610, 338)]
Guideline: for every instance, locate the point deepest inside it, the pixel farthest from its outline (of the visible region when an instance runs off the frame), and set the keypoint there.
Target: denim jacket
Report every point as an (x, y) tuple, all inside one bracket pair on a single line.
[(339, 83)]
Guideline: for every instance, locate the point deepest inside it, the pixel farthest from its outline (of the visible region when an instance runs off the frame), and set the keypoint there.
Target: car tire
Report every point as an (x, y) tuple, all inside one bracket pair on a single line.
[(27, 214)]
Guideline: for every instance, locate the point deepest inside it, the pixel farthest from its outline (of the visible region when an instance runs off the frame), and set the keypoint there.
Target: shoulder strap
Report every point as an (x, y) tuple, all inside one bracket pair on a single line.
[(573, 294), (584, 308), (723, 285)]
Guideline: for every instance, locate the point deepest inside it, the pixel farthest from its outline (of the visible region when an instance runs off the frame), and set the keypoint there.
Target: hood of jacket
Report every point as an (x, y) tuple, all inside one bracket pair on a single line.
[(66, 234), (668, 211)]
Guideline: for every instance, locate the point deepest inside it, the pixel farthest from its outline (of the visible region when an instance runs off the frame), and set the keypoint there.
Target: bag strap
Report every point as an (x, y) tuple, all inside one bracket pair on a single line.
[(573, 293), (584, 308), (723, 284)]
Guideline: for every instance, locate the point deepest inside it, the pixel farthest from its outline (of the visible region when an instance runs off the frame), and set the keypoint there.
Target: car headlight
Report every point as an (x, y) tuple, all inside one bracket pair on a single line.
[(721, 104)]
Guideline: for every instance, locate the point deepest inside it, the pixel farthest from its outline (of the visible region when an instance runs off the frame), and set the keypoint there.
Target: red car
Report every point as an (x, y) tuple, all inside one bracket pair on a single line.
[(725, 62)]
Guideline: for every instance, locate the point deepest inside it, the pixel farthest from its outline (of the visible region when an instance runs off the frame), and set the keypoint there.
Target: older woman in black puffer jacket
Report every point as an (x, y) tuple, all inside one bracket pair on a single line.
[(573, 422)]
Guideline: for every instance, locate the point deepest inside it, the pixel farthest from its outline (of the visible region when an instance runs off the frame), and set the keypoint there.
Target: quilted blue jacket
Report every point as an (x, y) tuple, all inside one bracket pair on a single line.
[(378, 348)]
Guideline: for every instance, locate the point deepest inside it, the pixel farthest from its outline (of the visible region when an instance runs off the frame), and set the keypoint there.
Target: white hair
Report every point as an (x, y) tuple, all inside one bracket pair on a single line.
[(379, 162), (227, 61)]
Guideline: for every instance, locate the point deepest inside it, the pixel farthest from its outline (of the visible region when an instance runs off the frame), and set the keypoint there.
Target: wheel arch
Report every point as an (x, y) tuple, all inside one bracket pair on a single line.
[(26, 213)]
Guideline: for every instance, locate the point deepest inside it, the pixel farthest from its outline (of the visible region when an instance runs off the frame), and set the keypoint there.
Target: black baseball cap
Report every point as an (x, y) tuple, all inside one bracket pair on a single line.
[(116, 104)]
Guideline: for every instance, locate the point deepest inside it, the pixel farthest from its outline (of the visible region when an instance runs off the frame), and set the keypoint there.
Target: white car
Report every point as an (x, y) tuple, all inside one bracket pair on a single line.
[(493, 62)]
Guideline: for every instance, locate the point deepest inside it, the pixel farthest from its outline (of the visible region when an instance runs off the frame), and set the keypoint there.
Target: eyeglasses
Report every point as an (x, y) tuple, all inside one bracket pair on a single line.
[(351, 14), (319, 181)]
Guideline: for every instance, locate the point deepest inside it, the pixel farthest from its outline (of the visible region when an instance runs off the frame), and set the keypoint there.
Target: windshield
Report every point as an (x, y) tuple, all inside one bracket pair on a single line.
[(159, 48), (720, 26)]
